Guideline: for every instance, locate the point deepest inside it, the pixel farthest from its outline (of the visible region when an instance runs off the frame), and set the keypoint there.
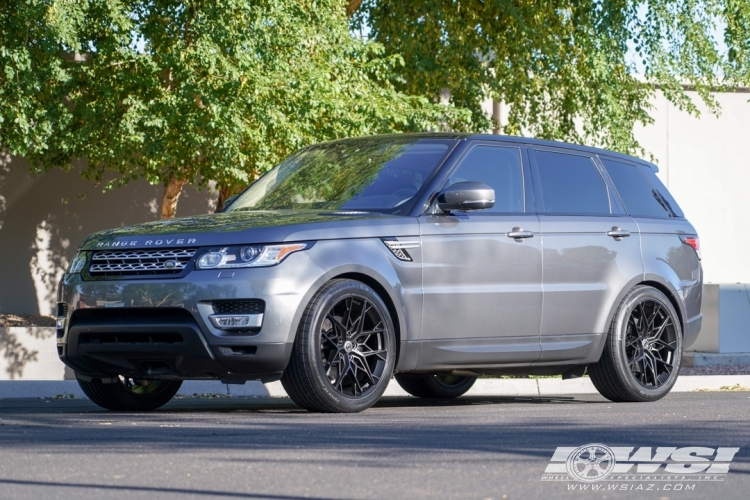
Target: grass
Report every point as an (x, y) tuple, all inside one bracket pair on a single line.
[(727, 388)]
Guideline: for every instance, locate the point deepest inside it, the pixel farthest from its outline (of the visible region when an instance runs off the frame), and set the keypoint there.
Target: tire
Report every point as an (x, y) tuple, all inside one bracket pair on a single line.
[(129, 395), (431, 385), (641, 359), (336, 366)]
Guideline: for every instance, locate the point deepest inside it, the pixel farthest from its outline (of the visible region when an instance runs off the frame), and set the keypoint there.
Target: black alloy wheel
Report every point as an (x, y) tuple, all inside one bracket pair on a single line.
[(435, 385), (344, 352), (352, 346), (643, 351), (650, 343), (130, 394)]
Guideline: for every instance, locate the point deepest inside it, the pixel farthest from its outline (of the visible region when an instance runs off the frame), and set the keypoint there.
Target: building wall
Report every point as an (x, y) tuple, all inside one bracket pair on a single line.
[(44, 218), (704, 161)]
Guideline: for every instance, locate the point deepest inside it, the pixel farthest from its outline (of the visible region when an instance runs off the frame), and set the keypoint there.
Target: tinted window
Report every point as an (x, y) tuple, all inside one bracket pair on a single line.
[(377, 174), (571, 184), (498, 167), (662, 189), (639, 197)]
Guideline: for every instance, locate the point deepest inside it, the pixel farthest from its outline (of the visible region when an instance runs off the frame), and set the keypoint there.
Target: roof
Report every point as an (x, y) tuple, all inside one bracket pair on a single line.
[(576, 147), (518, 140)]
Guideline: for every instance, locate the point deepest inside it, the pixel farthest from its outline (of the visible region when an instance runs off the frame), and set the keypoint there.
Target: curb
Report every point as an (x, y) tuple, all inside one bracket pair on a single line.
[(483, 387)]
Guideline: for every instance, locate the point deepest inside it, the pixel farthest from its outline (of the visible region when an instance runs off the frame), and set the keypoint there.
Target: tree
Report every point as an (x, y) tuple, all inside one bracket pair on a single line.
[(576, 70), (192, 91)]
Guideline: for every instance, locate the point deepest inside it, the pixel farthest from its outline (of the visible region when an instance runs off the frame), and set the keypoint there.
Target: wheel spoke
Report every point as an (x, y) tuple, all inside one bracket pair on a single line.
[(338, 326), (367, 333), (652, 317), (353, 348), (649, 349), (362, 362), (641, 320), (348, 302), (379, 353), (657, 332), (650, 364)]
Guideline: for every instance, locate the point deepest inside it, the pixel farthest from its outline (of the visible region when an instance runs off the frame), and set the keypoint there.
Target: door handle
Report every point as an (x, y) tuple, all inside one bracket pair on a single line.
[(519, 234), (617, 233)]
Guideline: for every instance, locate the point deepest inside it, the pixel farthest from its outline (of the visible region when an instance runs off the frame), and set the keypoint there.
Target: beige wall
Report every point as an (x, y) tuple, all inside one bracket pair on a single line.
[(44, 218), (705, 162)]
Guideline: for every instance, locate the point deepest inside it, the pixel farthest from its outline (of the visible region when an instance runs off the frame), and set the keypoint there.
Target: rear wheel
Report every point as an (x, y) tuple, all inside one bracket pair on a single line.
[(643, 351), (129, 394), (344, 352), (430, 385)]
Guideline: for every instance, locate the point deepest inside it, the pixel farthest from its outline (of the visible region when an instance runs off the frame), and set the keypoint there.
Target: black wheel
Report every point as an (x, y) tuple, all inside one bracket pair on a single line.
[(434, 385), (128, 394), (643, 351), (345, 350)]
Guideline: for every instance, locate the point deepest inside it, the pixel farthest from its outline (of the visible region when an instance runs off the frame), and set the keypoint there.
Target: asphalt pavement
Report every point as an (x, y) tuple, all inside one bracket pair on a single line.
[(251, 448)]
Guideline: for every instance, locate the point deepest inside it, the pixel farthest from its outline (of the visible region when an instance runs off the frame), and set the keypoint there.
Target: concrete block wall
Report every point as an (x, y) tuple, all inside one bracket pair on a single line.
[(726, 320)]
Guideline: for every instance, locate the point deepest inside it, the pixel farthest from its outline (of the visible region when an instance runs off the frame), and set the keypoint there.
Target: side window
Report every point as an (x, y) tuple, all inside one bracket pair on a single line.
[(639, 197), (662, 189), (498, 167), (571, 184)]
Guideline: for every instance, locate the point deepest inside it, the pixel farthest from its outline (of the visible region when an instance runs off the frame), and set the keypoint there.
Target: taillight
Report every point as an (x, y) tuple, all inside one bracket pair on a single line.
[(694, 242)]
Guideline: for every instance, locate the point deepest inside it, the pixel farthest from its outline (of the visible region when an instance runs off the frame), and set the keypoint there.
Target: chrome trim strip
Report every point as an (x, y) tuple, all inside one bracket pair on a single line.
[(402, 244), (398, 248)]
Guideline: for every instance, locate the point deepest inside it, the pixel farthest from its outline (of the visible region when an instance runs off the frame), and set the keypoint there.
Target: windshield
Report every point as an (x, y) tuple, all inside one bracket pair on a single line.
[(372, 174)]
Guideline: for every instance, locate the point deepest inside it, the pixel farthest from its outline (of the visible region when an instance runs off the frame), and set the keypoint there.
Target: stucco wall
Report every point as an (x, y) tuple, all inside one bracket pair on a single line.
[(44, 218), (705, 162)]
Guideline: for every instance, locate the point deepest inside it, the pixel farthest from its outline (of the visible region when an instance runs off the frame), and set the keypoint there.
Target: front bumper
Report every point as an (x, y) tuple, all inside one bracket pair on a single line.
[(161, 328)]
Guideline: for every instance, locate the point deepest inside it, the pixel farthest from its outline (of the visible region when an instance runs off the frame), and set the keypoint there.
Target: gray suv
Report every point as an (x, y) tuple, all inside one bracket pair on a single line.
[(437, 258)]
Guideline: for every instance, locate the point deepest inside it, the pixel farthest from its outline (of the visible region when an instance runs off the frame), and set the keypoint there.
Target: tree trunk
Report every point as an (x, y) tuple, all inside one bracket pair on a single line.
[(172, 192), (224, 193), (352, 6)]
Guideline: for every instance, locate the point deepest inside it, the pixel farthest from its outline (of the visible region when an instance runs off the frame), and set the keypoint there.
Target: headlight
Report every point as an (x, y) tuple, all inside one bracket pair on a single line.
[(247, 256), (78, 262)]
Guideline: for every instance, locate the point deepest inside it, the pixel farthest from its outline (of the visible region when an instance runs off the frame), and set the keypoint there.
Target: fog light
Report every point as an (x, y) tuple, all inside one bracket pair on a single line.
[(233, 321), (60, 323)]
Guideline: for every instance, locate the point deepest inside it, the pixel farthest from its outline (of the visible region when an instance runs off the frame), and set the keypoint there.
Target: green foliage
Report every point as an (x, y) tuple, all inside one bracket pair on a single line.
[(196, 90), (173, 90), (577, 70)]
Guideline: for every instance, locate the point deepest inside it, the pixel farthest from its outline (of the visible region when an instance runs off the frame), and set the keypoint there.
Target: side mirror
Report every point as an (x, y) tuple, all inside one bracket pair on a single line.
[(228, 202), (466, 196)]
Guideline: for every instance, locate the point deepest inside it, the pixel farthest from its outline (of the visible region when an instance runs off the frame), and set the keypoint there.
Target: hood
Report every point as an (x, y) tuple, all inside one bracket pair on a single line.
[(251, 227)]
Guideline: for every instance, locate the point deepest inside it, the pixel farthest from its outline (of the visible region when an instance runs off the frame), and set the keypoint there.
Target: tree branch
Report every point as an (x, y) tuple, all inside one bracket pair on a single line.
[(352, 6)]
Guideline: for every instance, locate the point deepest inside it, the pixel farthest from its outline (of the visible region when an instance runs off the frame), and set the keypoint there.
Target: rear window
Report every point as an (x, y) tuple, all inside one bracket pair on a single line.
[(662, 190), (641, 199), (571, 184)]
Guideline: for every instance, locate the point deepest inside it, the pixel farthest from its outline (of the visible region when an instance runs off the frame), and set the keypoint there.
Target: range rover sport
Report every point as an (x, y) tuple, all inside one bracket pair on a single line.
[(436, 258)]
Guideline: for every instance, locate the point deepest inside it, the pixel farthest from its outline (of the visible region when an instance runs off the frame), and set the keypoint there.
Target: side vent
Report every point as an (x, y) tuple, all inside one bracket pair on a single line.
[(399, 248)]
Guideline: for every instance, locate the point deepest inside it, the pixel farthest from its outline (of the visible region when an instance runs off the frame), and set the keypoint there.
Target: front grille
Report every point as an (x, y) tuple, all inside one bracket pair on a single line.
[(239, 306), (130, 315), (62, 309), (130, 338), (134, 263)]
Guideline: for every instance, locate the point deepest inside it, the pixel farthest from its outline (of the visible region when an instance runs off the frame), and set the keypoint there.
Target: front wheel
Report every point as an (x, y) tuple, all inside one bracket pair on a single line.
[(129, 394), (345, 350), (643, 351), (434, 385)]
